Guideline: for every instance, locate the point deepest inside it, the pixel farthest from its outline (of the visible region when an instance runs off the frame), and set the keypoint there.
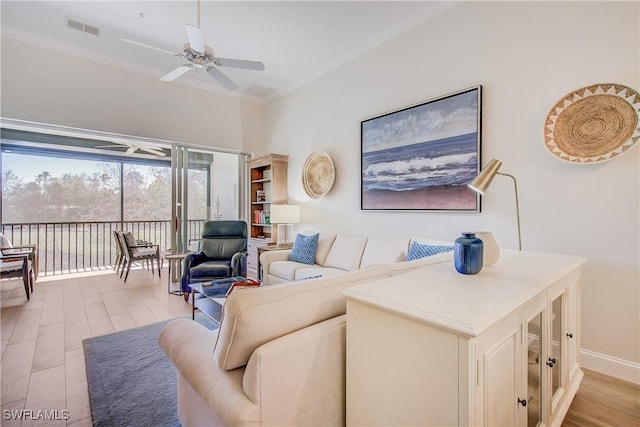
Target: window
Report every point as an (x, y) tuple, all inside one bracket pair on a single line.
[(45, 188)]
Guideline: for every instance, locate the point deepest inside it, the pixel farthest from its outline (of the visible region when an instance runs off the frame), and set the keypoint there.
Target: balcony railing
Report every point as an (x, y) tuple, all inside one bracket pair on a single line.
[(71, 247)]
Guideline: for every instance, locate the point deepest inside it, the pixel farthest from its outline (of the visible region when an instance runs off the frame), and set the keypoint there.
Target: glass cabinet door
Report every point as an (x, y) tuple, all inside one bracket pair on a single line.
[(555, 360), (534, 370)]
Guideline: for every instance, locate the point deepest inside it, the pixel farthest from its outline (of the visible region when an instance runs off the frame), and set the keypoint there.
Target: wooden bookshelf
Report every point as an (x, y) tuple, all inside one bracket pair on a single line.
[(268, 185)]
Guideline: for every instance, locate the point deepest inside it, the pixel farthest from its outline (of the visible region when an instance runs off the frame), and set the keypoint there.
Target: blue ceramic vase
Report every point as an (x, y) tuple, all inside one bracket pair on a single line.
[(468, 254)]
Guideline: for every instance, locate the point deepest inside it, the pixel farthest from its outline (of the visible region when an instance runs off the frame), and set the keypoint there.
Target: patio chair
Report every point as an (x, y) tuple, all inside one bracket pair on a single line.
[(136, 251), (119, 253), (18, 265), (31, 250)]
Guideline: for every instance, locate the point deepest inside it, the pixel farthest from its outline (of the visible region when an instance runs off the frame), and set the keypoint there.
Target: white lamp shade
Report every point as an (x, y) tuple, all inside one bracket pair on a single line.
[(285, 214)]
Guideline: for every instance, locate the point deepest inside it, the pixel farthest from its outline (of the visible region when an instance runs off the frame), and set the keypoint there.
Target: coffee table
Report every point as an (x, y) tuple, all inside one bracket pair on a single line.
[(209, 297)]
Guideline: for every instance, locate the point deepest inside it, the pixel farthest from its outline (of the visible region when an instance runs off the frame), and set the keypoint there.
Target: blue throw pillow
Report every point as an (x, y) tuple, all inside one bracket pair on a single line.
[(304, 248), (418, 250)]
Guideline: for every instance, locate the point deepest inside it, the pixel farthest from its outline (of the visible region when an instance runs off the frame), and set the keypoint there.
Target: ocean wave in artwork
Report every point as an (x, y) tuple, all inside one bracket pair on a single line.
[(448, 162)]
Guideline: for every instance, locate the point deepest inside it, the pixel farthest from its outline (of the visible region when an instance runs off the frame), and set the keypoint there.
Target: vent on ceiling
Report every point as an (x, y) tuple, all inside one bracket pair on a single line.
[(77, 25)]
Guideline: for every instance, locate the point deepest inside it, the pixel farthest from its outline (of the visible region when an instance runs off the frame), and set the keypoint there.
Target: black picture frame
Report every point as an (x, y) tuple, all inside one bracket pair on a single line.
[(421, 157)]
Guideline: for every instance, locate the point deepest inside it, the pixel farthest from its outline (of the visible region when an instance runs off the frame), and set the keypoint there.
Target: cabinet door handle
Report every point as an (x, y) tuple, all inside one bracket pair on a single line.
[(570, 335), (523, 402), (551, 362)]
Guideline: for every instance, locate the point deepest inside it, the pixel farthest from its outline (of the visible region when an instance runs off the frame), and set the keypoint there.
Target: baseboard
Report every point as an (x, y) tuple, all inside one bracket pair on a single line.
[(609, 365)]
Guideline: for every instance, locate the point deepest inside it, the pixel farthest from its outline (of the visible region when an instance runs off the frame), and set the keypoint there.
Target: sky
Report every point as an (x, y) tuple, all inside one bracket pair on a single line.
[(28, 167)]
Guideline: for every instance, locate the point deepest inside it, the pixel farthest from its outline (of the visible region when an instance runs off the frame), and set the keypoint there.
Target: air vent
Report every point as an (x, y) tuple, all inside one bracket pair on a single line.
[(86, 28)]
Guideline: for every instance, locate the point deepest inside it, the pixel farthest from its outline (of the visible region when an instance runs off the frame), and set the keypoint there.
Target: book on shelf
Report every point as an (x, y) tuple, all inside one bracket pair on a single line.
[(260, 217)]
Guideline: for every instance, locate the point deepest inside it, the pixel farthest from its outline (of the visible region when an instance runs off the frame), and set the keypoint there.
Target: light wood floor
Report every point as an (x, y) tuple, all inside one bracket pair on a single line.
[(42, 363), (604, 401)]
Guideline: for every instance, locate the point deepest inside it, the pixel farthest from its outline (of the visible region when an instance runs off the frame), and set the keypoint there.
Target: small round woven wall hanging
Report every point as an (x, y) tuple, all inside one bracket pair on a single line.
[(593, 124), (318, 174)]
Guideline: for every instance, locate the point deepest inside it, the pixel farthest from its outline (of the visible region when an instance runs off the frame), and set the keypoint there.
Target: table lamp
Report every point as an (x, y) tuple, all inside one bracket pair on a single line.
[(481, 182), (285, 216)]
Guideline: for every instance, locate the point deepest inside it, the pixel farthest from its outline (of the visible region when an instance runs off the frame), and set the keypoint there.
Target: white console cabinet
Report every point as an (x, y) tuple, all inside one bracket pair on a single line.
[(433, 347)]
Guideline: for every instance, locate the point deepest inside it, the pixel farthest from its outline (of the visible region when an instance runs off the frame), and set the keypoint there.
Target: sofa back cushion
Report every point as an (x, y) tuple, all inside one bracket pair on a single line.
[(253, 317), (325, 241), (384, 250), (346, 252)]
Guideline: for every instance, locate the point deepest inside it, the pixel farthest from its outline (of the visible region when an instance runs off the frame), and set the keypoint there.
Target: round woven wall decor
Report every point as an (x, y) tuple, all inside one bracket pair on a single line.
[(593, 124), (318, 174)]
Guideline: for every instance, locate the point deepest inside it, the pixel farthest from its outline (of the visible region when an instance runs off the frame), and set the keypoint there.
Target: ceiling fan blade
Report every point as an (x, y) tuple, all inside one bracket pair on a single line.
[(196, 38), (239, 63), (172, 75), (221, 78), (131, 150), (152, 151), (150, 47)]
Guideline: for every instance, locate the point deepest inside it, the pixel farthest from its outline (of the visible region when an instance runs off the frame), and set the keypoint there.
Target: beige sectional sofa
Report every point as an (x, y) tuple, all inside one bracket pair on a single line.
[(337, 254), (278, 357)]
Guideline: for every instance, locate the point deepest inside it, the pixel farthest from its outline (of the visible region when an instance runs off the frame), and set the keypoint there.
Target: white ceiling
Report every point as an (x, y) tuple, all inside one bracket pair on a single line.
[(296, 40)]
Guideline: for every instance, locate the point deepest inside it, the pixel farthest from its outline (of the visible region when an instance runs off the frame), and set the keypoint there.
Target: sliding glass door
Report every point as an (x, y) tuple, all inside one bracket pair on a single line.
[(207, 185)]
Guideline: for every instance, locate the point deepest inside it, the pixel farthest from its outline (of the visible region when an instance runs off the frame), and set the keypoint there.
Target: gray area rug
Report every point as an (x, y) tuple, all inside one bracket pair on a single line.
[(131, 381)]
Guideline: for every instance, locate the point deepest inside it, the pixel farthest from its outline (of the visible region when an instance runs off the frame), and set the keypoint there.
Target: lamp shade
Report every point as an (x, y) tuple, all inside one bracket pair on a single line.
[(285, 214), (481, 182)]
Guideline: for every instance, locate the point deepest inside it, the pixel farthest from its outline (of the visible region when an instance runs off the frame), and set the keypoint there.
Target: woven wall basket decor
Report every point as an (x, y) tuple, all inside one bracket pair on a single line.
[(318, 174), (593, 124)]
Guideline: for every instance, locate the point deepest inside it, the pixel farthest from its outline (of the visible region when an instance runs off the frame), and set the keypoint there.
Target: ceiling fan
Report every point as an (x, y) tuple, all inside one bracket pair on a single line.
[(132, 147), (201, 56)]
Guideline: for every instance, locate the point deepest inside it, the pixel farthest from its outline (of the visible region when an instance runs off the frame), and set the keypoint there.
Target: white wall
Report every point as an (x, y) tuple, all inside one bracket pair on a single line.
[(527, 56), (46, 86)]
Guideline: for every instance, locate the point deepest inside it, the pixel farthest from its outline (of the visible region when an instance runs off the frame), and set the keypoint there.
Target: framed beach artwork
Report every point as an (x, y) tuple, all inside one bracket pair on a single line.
[(422, 157)]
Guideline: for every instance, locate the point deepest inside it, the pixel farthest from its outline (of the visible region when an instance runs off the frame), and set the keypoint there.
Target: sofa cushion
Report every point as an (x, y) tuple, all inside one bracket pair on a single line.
[(325, 241), (419, 250), (131, 241), (304, 249), (346, 252), (285, 269), (384, 250), (211, 269), (256, 316)]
